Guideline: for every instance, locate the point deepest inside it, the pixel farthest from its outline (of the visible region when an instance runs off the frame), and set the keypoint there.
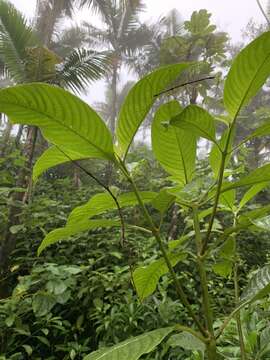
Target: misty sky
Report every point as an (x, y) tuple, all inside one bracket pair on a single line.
[(229, 15)]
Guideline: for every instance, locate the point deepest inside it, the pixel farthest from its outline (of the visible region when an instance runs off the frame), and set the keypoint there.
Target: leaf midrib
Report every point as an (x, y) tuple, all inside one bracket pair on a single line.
[(249, 87), (117, 347), (64, 125)]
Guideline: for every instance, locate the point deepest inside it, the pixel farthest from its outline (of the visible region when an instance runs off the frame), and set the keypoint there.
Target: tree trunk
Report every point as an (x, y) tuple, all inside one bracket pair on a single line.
[(8, 242), (173, 228), (18, 136), (112, 120), (6, 138), (76, 178)]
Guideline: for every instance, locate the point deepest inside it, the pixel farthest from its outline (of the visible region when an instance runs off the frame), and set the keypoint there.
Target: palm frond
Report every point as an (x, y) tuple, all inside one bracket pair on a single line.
[(68, 40), (49, 14), (101, 7), (15, 37), (80, 68), (96, 37), (135, 40), (128, 16)]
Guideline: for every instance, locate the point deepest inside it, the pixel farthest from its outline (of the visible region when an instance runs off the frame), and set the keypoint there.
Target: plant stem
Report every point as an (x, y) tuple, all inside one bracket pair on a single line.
[(238, 315), (211, 347), (213, 215), (156, 234), (224, 154)]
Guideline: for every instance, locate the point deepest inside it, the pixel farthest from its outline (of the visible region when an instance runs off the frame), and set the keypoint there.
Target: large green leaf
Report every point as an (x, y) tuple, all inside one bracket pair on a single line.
[(196, 120), (247, 218), (66, 232), (139, 101), (103, 202), (133, 348), (146, 278), (53, 157), (63, 118), (253, 191), (258, 286), (186, 341), (248, 73), (174, 148), (257, 176)]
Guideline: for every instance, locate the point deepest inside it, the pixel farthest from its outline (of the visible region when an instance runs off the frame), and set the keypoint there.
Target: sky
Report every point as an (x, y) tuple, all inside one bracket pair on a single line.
[(229, 15)]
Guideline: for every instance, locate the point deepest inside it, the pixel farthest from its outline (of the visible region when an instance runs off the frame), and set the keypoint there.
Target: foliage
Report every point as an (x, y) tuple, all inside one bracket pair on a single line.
[(135, 292)]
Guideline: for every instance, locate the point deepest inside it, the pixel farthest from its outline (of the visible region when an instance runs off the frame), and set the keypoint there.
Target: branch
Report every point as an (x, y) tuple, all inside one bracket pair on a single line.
[(184, 84), (155, 231)]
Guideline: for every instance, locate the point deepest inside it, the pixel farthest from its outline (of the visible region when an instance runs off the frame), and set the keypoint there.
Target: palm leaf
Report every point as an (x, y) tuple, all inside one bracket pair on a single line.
[(15, 37), (80, 68)]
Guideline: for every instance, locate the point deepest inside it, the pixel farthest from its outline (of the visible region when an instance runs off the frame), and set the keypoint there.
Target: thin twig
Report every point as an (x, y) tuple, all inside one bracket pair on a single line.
[(87, 172), (184, 84)]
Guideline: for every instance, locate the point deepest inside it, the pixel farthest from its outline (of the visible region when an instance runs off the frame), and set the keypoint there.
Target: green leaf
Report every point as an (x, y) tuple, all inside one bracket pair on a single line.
[(248, 218), (103, 202), (186, 341), (197, 121), (147, 277), (248, 73), (64, 119), (66, 232), (133, 348), (223, 268), (174, 148), (262, 223), (249, 195), (227, 255), (257, 176), (43, 303), (43, 340), (53, 157), (28, 349), (9, 321), (258, 286), (163, 201), (139, 101), (228, 198), (56, 286)]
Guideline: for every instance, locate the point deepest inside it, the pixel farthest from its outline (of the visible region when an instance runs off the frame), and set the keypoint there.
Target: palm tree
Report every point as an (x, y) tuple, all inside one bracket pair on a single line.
[(121, 33), (23, 58)]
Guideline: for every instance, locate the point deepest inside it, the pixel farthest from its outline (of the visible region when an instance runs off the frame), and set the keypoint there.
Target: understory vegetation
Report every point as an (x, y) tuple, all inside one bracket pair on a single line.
[(137, 227)]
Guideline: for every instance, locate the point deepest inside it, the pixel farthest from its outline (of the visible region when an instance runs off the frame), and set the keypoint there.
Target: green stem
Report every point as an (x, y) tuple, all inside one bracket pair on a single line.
[(156, 234), (211, 347), (238, 315), (215, 206), (224, 154)]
